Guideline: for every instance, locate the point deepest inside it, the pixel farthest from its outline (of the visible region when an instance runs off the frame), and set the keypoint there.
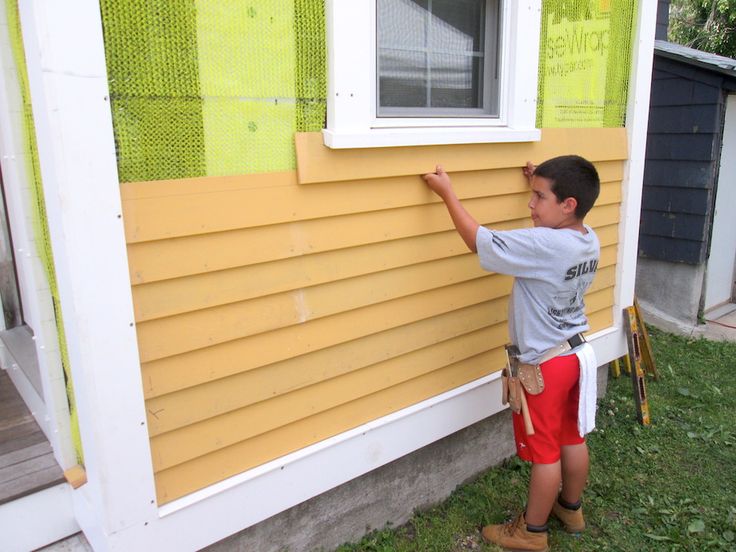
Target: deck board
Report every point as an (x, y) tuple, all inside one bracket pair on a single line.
[(27, 463)]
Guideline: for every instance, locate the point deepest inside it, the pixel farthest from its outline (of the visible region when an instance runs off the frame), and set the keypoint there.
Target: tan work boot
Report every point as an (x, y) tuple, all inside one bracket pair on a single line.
[(514, 536), (572, 520)]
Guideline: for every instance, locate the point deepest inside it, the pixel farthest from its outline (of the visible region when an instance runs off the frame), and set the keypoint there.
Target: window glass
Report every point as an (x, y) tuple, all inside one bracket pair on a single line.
[(437, 58)]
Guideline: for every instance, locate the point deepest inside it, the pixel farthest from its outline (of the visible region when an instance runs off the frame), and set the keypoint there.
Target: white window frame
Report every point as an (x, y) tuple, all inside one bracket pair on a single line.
[(352, 77)]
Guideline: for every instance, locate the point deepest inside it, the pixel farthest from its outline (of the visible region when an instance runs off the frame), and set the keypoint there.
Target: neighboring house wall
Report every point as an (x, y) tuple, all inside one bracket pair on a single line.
[(273, 314), (682, 159), (663, 19)]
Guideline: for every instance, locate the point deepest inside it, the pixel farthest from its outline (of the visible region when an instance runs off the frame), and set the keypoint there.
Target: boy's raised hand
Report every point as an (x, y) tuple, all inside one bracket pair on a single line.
[(528, 170), (438, 181)]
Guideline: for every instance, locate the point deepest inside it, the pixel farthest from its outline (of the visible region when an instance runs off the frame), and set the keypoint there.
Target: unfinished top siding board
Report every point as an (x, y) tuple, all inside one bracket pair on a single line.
[(318, 163)]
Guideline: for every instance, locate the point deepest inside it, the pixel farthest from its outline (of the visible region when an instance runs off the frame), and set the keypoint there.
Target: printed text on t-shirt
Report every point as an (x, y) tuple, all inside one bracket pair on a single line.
[(582, 268)]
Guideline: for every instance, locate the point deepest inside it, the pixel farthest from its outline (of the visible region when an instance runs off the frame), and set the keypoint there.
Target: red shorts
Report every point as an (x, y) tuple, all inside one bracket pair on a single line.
[(554, 413)]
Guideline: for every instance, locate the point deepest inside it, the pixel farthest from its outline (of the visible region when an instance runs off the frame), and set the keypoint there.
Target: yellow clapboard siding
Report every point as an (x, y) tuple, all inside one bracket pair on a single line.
[(210, 468), (179, 295), (186, 332), (197, 367), (205, 470), (212, 210), (130, 191), (318, 163), (171, 258), (210, 207), (183, 444), (194, 404), (193, 330), (272, 315), (601, 320), (177, 372), (219, 396), (607, 235), (181, 256), (175, 447)]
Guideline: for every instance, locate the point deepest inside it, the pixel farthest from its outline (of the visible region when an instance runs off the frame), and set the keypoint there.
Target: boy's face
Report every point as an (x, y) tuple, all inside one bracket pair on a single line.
[(546, 210)]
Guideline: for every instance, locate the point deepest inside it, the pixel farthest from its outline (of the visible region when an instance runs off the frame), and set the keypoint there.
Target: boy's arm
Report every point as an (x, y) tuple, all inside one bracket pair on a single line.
[(464, 222)]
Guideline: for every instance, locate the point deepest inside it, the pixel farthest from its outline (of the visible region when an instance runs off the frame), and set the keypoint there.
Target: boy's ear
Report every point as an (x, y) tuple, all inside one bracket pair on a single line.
[(569, 204)]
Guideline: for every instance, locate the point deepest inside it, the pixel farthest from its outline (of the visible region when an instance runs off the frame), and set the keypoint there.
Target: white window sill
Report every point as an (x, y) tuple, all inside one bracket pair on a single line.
[(395, 137)]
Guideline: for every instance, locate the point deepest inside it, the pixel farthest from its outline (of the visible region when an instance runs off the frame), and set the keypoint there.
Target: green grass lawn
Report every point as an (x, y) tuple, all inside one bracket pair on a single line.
[(668, 486)]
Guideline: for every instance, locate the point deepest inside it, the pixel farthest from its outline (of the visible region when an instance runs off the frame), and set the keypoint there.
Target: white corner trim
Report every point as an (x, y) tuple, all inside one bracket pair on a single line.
[(67, 77), (637, 120)]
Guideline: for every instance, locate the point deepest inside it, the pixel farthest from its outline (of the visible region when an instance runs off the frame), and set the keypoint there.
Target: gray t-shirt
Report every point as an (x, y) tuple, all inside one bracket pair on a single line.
[(552, 268)]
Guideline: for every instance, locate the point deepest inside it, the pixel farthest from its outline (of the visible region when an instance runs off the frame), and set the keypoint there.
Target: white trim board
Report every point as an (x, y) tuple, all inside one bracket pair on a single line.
[(49, 404), (37, 519)]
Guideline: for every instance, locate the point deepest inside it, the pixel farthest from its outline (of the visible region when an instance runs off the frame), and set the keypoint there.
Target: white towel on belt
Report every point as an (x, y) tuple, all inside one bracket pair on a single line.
[(588, 389)]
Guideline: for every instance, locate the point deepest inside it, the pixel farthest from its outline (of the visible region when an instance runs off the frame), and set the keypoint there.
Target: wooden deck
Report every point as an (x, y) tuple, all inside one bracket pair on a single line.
[(27, 464)]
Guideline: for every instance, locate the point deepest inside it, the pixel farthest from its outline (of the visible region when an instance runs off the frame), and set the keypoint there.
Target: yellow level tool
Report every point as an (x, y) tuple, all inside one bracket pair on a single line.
[(636, 342)]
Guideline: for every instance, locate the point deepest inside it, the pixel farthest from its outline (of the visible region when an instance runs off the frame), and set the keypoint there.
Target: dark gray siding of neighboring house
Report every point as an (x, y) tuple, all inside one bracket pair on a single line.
[(663, 19), (683, 149)]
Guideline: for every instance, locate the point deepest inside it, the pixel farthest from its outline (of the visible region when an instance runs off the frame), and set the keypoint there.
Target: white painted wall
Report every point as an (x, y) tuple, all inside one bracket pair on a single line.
[(719, 275)]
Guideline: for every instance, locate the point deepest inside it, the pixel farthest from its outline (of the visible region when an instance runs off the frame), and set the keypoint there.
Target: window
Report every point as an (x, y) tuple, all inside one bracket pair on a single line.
[(419, 72), (437, 58)]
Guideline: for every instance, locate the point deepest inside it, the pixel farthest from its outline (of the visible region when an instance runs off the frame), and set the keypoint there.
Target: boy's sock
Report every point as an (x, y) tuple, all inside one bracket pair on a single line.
[(537, 528), (569, 505)]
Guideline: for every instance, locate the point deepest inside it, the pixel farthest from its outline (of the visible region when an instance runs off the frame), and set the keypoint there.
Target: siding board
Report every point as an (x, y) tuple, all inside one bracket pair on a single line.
[(318, 163), (271, 315)]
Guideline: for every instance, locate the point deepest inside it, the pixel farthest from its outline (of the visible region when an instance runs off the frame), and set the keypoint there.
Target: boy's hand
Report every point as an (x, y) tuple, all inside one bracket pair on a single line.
[(439, 182), (528, 170)]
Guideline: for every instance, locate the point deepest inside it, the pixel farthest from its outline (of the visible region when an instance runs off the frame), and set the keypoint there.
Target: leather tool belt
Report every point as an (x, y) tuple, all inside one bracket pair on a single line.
[(529, 375)]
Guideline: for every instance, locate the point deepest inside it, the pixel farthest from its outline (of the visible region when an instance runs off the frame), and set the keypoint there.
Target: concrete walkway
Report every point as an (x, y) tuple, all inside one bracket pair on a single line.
[(720, 323)]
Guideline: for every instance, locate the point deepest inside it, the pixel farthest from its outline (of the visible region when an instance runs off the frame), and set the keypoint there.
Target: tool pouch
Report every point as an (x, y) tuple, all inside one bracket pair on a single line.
[(531, 378), (514, 394)]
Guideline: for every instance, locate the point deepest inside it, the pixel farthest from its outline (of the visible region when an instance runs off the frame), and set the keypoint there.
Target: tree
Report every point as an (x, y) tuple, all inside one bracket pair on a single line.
[(708, 25)]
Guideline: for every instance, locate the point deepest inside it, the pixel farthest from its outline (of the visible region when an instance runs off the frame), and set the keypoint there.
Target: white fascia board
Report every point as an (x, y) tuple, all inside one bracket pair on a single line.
[(68, 82), (637, 120)]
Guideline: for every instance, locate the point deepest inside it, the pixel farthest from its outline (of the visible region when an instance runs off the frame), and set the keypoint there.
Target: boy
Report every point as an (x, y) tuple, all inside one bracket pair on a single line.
[(553, 264)]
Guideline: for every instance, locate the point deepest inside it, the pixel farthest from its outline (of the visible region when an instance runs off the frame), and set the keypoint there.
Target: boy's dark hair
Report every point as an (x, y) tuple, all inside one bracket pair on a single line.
[(572, 176)]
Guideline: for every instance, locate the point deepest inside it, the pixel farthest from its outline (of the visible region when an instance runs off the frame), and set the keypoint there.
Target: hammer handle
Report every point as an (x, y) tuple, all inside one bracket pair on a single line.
[(528, 426)]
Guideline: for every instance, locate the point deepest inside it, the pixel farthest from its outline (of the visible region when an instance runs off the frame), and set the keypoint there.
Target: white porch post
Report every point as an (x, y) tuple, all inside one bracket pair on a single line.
[(68, 83)]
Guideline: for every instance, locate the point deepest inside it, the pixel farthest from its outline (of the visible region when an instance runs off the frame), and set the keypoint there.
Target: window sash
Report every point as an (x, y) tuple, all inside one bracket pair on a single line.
[(487, 77)]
